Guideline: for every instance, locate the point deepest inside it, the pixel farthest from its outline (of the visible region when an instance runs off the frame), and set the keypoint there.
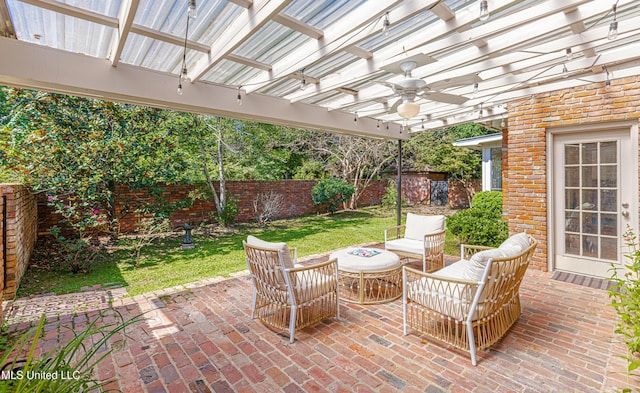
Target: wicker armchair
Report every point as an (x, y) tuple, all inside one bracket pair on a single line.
[(290, 297), (453, 306), (421, 237)]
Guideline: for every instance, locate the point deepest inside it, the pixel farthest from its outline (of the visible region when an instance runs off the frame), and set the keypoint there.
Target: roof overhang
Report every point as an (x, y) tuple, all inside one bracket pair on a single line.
[(478, 142)]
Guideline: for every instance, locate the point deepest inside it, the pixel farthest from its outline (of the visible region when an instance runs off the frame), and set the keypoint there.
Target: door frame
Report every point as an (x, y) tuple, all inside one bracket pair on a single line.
[(632, 127)]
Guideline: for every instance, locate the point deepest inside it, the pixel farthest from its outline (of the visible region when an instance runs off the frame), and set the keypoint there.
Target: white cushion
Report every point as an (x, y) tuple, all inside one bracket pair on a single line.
[(515, 244), (417, 226), (478, 263), (455, 270), (287, 261), (406, 245), (383, 261)]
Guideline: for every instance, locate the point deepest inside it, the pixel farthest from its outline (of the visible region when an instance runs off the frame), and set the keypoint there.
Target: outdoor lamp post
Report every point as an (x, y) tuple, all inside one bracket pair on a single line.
[(187, 240)]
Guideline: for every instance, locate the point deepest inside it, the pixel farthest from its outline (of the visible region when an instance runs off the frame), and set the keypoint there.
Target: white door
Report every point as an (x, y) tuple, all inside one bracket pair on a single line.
[(595, 198)]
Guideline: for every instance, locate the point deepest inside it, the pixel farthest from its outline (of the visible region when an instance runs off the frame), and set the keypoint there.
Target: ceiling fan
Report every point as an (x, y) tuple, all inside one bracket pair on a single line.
[(410, 88)]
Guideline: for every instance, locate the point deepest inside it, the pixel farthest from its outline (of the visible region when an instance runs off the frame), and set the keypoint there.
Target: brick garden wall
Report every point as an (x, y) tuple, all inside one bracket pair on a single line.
[(416, 189), (524, 170), (21, 234)]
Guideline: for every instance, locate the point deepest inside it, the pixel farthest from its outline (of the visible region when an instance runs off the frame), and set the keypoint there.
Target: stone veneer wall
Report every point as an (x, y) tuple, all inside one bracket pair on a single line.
[(524, 169), (21, 234)]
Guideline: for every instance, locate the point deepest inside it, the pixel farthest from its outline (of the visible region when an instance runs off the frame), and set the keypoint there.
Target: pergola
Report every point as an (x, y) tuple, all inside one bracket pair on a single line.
[(248, 59)]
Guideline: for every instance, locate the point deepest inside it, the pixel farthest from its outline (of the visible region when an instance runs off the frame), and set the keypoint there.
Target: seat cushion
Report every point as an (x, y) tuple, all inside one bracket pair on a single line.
[(406, 245), (417, 226), (287, 261), (478, 263)]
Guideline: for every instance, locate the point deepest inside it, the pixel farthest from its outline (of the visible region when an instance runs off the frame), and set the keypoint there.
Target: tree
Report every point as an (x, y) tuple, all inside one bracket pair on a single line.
[(355, 160)]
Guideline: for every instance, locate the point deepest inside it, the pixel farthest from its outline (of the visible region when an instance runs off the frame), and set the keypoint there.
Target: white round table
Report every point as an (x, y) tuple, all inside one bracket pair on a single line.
[(368, 279)]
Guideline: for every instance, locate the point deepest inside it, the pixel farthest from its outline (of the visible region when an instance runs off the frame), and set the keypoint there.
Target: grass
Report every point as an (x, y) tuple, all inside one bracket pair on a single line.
[(216, 254)]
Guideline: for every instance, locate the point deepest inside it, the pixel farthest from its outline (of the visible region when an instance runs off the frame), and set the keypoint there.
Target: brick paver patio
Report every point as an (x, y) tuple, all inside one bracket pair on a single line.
[(200, 338)]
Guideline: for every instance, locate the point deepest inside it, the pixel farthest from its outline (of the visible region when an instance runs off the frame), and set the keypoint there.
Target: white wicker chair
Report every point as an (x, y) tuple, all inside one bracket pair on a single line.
[(421, 237), (290, 297), (469, 314)]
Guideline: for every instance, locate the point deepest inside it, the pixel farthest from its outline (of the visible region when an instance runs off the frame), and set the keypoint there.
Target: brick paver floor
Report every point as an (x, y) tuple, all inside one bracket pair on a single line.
[(200, 338)]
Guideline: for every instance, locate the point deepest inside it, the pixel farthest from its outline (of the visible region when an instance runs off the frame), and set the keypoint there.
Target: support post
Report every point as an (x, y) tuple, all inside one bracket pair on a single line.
[(399, 185)]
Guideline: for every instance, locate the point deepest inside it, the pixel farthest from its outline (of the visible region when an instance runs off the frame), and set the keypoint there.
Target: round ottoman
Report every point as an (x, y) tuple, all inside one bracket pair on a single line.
[(368, 275)]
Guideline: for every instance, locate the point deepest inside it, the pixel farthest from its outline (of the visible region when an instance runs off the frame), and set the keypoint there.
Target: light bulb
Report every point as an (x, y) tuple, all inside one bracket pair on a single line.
[(502, 123), (475, 89), (239, 98), (565, 71), (183, 75), (355, 118), (179, 91), (193, 12), (613, 30), (385, 24), (569, 54), (303, 84), (408, 109), (378, 125), (484, 10)]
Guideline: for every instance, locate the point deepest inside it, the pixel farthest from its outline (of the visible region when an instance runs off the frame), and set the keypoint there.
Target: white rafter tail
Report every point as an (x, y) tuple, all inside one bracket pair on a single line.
[(126, 15), (245, 25)]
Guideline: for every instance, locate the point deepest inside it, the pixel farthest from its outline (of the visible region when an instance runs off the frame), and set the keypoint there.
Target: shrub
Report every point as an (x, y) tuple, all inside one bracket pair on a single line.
[(625, 298), (482, 224), (331, 192), (267, 206), (230, 211), (390, 197)]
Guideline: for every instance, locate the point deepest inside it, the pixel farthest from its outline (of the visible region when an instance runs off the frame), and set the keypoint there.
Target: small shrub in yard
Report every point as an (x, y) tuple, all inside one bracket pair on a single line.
[(625, 298), (267, 206), (331, 193), (149, 229), (481, 224), (390, 197), (230, 212)]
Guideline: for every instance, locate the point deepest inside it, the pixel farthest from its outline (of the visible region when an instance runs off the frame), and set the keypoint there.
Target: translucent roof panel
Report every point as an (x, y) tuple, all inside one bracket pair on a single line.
[(49, 28), (230, 73), (330, 64), (149, 53), (271, 43), (321, 14), (170, 17)]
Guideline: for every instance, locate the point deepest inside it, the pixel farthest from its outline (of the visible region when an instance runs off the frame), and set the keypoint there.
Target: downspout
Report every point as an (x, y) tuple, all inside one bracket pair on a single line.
[(399, 185)]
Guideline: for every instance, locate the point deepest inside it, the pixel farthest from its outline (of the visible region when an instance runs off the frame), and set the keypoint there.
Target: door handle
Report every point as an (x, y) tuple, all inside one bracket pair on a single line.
[(625, 214)]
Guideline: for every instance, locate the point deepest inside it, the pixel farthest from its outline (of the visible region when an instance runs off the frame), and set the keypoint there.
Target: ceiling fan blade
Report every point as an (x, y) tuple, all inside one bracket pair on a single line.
[(394, 107), (445, 97)]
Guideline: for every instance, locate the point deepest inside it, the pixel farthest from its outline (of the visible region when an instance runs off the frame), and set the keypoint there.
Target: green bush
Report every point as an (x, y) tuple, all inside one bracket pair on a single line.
[(230, 212), (625, 298), (331, 192), (390, 197), (482, 224)]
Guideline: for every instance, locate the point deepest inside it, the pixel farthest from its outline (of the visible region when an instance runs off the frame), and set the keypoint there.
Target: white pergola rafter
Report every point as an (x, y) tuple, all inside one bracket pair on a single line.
[(249, 22), (125, 21)]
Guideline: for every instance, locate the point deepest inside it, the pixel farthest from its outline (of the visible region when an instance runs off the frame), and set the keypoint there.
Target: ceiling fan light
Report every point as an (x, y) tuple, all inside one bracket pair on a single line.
[(408, 109)]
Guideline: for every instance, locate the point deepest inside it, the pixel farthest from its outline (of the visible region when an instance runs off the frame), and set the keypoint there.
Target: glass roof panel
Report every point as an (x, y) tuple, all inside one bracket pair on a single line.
[(321, 14), (49, 28), (157, 55), (108, 8), (271, 43), (331, 64)]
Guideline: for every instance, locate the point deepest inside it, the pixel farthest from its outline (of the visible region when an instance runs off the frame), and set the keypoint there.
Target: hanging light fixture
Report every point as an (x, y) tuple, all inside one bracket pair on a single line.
[(613, 26), (378, 124), (569, 54), (607, 84), (565, 71), (303, 82), (408, 109), (475, 89), (386, 24), (355, 118), (193, 12), (184, 73), (484, 10), (239, 96)]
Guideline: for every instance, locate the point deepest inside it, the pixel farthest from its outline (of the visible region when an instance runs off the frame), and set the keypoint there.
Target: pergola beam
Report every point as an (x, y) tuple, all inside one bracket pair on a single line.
[(248, 23), (126, 15), (299, 26), (36, 67), (6, 25)]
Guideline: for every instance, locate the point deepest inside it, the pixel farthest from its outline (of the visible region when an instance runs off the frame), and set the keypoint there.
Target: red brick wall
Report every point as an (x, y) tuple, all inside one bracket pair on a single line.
[(21, 234), (296, 193), (416, 190), (524, 170)]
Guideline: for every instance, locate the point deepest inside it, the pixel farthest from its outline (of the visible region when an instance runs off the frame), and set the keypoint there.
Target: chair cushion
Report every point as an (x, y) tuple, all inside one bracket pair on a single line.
[(515, 244), (406, 245), (287, 261), (417, 226), (478, 262)]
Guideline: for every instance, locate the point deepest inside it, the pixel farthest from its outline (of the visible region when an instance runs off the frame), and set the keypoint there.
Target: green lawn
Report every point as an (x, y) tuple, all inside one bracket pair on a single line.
[(216, 254)]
